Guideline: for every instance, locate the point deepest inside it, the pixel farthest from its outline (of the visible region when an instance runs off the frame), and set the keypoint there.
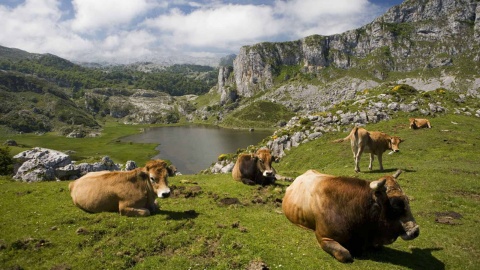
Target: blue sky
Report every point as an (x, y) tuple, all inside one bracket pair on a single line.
[(123, 31)]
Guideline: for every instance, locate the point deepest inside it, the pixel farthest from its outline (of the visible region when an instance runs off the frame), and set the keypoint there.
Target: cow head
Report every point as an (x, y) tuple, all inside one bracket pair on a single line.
[(395, 209), (395, 143), (158, 173), (413, 124), (264, 162)]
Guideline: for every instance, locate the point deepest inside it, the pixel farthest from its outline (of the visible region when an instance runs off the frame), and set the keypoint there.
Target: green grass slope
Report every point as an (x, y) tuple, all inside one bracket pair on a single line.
[(40, 228)]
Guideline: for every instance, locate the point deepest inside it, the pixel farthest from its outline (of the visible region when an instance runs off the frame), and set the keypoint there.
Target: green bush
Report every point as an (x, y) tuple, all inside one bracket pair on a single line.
[(6, 161)]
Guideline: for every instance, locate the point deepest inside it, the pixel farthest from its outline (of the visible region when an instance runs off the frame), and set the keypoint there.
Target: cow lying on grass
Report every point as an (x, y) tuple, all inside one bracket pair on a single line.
[(372, 142), (255, 168), (132, 193), (349, 215), (416, 123)]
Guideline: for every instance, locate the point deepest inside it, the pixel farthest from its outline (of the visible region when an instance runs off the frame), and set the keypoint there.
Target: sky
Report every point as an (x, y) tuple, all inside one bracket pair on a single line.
[(125, 31)]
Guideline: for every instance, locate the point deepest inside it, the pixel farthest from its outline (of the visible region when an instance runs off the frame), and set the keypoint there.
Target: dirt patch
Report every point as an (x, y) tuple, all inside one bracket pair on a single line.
[(257, 265), (186, 192), (471, 195), (448, 218), (30, 243), (229, 201)]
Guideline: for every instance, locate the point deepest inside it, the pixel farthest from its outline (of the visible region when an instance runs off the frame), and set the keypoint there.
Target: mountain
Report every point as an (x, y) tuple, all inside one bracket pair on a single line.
[(425, 43)]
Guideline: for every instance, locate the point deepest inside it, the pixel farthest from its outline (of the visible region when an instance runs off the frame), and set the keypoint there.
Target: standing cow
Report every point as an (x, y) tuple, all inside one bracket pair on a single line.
[(372, 142), (132, 193), (349, 215), (255, 168), (416, 123)]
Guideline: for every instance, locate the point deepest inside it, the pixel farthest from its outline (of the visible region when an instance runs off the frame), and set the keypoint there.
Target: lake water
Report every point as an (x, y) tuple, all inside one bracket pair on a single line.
[(194, 148)]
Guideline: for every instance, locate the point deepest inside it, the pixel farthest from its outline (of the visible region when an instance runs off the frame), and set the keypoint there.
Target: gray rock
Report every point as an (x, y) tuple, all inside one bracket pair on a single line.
[(39, 164), (130, 165)]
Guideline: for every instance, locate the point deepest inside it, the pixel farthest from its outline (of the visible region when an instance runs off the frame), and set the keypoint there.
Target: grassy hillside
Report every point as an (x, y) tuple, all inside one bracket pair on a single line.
[(201, 226)]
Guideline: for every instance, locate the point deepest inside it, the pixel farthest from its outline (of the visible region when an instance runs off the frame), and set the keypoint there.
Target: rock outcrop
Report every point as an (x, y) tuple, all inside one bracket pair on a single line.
[(42, 164), (416, 35)]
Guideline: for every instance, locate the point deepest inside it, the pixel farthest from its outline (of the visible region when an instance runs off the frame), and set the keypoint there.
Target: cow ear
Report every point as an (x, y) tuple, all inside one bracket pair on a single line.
[(143, 175), (378, 185), (171, 170)]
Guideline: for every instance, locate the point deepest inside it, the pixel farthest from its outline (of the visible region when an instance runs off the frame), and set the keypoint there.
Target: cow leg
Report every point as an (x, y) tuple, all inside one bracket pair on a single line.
[(333, 248), (357, 159), (380, 162), (372, 158), (133, 212), (248, 181)]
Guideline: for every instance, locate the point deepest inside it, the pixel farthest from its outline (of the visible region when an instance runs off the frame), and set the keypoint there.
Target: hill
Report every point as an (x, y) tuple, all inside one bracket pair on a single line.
[(425, 44), (213, 222)]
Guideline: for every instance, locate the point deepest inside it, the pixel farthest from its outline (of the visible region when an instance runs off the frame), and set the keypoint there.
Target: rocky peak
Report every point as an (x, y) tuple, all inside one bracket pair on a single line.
[(416, 35)]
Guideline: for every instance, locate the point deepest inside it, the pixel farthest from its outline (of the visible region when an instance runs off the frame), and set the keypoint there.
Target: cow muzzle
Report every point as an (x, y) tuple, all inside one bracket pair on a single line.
[(411, 233), (164, 193), (268, 173)]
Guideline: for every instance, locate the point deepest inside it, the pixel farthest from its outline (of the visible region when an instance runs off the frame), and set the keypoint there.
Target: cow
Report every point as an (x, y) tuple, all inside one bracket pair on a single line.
[(131, 193), (255, 168), (349, 215), (373, 142), (416, 123)]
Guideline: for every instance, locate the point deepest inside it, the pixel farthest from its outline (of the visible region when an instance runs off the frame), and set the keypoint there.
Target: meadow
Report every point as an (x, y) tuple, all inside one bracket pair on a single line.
[(213, 222)]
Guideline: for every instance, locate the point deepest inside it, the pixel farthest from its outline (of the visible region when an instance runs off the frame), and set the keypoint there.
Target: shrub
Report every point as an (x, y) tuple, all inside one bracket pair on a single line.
[(6, 161)]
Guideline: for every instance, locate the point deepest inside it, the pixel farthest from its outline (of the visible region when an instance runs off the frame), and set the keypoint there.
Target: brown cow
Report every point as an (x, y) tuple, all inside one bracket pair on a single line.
[(255, 168), (349, 215), (416, 123), (372, 142), (132, 193)]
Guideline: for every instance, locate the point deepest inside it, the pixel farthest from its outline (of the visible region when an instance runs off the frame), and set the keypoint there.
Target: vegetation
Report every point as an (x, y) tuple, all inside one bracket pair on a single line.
[(259, 114), (175, 80), (87, 149), (213, 222), (6, 161)]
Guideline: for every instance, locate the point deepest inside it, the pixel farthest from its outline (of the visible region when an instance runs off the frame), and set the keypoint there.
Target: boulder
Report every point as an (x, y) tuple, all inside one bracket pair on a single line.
[(39, 164)]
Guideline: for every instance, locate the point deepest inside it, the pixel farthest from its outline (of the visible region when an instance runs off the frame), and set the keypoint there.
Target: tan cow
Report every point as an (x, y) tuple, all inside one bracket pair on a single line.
[(372, 142), (416, 123), (349, 215), (255, 168), (132, 193)]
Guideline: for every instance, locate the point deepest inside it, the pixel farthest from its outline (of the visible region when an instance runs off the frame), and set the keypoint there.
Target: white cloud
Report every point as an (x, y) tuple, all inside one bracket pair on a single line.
[(122, 30), (220, 27), (92, 15)]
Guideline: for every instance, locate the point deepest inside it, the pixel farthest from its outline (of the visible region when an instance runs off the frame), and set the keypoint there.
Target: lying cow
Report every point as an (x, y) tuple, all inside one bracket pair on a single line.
[(255, 168), (372, 142), (132, 193), (416, 123), (349, 215)]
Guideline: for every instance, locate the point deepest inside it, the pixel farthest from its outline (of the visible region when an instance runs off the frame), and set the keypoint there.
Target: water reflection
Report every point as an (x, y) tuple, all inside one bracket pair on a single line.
[(193, 148)]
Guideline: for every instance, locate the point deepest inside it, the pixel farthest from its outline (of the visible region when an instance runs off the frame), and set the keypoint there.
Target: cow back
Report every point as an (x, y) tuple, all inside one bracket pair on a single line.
[(102, 191), (244, 167)]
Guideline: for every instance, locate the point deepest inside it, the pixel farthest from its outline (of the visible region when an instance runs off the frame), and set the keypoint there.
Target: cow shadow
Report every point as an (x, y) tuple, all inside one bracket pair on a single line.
[(418, 259), (174, 215), (387, 171)]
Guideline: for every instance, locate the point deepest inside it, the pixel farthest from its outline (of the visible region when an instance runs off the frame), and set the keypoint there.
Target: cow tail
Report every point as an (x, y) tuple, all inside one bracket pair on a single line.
[(353, 132)]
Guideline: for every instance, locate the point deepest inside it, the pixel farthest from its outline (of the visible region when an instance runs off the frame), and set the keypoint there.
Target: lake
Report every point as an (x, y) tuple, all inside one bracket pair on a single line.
[(194, 148)]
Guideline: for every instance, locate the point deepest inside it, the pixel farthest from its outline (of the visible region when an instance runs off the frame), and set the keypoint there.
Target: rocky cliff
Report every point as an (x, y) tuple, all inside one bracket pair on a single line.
[(414, 38)]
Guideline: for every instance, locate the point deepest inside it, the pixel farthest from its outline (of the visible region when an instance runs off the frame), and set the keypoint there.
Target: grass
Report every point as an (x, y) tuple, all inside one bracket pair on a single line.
[(40, 228), (259, 114), (89, 149)]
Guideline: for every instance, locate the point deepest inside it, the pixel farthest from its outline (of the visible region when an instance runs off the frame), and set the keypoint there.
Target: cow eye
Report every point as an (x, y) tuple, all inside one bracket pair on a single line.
[(261, 160), (398, 206)]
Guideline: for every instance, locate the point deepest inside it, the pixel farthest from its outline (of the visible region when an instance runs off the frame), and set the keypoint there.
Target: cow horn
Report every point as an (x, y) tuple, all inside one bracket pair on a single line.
[(397, 173), (375, 185)]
